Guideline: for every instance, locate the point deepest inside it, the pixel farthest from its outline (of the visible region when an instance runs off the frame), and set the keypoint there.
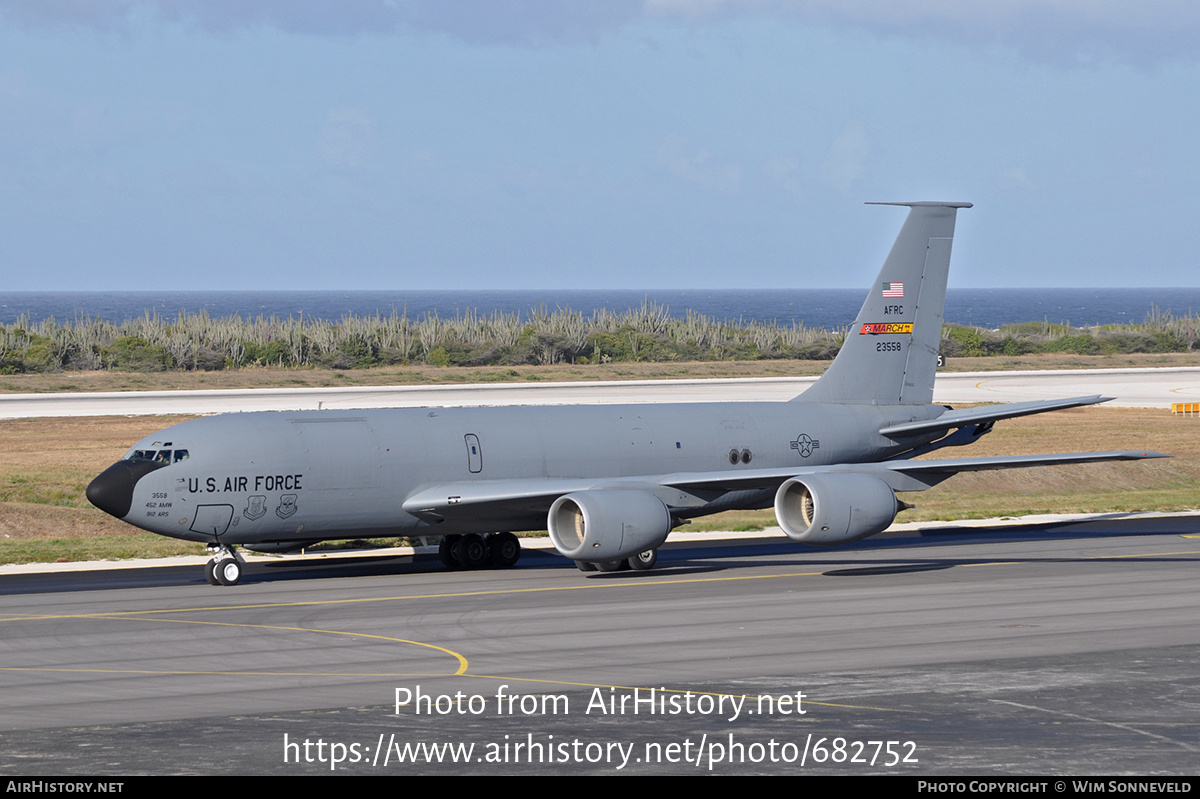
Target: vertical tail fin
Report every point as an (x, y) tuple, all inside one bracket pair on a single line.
[(890, 355)]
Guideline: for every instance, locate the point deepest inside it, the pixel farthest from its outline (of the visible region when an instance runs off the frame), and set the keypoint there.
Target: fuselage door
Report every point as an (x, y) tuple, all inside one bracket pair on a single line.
[(474, 454)]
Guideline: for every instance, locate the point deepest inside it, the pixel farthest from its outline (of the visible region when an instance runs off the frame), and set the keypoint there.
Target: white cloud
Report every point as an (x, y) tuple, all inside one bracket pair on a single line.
[(846, 160), (1056, 31), (347, 137), (488, 22), (784, 171), (698, 165), (1015, 179)]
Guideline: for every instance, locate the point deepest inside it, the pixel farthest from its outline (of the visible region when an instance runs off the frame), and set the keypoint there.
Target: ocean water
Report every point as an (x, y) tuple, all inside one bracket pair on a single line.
[(820, 308)]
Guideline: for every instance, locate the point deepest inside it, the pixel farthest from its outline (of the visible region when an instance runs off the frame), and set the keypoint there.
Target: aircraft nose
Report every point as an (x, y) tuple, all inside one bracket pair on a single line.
[(112, 490)]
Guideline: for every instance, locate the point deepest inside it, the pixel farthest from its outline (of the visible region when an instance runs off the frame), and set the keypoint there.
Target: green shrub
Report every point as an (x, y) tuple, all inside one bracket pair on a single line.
[(969, 340), (135, 354)]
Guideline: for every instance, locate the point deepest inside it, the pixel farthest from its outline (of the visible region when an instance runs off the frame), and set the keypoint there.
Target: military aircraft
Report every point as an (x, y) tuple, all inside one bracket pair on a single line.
[(609, 482)]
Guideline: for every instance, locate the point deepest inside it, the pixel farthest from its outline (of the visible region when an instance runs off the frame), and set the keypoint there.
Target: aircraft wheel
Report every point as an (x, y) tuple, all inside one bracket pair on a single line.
[(505, 549), (585, 566), (643, 561), (209, 572), (228, 571), (446, 551), (472, 551), (610, 565)]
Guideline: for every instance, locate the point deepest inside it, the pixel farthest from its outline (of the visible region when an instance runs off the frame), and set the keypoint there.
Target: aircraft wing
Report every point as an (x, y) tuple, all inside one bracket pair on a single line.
[(445, 501), (987, 414), (531, 498), (901, 475), (929, 473)]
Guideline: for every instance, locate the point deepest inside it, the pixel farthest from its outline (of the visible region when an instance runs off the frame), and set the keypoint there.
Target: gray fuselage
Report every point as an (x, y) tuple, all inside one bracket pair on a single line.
[(300, 476)]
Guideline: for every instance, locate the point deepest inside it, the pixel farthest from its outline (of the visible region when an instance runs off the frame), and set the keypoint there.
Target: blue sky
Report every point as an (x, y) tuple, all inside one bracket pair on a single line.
[(227, 144)]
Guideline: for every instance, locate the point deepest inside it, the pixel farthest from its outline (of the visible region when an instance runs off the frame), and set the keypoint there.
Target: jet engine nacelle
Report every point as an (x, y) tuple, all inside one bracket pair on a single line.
[(834, 508), (607, 525)]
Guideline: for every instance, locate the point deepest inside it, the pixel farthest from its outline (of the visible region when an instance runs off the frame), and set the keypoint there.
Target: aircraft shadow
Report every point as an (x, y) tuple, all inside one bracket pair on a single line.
[(693, 557)]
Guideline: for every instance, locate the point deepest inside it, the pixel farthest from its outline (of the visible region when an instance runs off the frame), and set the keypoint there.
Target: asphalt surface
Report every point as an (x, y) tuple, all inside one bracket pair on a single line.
[(1035, 650), (1027, 649), (1131, 387)]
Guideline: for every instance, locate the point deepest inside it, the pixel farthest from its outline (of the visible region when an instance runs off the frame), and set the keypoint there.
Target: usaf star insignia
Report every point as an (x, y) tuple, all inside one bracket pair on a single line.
[(805, 445)]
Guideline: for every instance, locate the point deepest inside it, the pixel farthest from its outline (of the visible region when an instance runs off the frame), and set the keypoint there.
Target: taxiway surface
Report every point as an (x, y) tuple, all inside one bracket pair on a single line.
[(1130, 387), (1021, 651)]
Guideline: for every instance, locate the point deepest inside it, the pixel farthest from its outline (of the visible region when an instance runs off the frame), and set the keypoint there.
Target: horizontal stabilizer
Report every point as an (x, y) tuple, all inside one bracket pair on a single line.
[(986, 414)]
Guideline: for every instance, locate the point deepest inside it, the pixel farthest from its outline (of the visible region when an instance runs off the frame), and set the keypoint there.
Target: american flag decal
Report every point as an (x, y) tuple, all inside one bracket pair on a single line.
[(893, 290)]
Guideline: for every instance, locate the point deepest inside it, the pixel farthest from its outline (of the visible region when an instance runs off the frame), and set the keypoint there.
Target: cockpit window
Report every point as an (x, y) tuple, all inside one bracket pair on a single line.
[(159, 456)]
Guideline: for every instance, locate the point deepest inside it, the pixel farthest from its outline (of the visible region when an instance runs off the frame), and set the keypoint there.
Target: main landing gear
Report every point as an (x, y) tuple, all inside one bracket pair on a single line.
[(639, 562), (474, 551), (224, 567)]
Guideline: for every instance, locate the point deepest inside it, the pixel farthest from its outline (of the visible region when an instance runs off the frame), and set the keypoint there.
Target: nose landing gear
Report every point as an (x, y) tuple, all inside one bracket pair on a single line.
[(224, 567)]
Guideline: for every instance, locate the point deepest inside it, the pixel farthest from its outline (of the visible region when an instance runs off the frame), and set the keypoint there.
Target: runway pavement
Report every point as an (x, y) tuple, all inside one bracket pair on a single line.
[(1029, 649), (1131, 387), (1023, 651)]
